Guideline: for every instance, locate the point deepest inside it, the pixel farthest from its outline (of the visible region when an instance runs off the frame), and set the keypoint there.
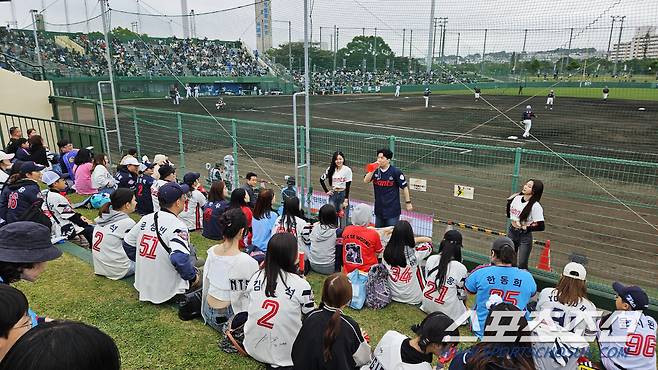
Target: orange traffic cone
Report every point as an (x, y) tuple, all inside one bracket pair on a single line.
[(545, 258)]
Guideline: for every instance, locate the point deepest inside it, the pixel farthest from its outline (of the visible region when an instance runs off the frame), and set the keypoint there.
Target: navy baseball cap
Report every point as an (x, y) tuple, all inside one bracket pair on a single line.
[(166, 170), (191, 177), (171, 192), (26, 242), (30, 166), (633, 295)]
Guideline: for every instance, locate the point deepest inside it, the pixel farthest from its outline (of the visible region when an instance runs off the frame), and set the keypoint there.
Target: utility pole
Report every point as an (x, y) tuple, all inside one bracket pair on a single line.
[(139, 17), (434, 38), (37, 50), (614, 18), (621, 29), (411, 39), (363, 31), (66, 16), (404, 36), (430, 50), (186, 21), (568, 51), (290, 46), (374, 54), (335, 47), (484, 50), (87, 16), (459, 36), (443, 38), (320, 37)]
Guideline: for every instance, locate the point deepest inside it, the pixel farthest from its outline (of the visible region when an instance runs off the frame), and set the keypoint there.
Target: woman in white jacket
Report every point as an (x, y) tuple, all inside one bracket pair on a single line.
[(101, 178)]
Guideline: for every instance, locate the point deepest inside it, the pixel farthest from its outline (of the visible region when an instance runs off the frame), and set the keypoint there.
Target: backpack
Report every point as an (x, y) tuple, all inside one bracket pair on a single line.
[(378, 292)]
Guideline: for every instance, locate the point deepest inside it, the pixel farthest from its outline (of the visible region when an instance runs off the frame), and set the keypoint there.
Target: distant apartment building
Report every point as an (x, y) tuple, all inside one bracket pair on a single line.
[(644, 44)]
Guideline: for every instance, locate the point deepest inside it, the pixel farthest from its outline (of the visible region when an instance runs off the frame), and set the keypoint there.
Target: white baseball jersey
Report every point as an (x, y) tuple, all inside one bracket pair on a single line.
[(628, 341), (60, 210), (517, 206), (568, 317), (448, 298), (302, 232), (387, 355), (192, 214), (340, 178), (274, 322), (226, 278), (155, 189), (4, 176), (156, 279), (110, 259), (101, 178), (407, 283)]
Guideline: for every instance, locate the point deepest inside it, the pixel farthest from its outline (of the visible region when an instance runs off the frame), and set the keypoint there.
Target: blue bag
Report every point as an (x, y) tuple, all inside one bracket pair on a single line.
[(359, 281)]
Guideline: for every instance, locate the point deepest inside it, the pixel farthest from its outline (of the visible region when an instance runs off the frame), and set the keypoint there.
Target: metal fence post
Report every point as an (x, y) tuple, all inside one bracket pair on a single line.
[(234, 139), (516, 175), (137, 144), (302, 174), (74, 111), (181, 149)]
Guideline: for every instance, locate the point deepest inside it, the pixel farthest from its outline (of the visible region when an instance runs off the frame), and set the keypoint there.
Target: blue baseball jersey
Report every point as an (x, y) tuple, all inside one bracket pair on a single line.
[(67, 160), (143, 194), (528, 115), (126, 179), (514, 285), (386, 185)]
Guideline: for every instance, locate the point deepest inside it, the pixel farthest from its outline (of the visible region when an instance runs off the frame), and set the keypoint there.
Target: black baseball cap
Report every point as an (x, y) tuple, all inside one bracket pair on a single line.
[(191, 177), (172, 191), (499, 243), (26, 242), (30, 166), (435, 329), (166, 170), (451, 237), (633, 295)]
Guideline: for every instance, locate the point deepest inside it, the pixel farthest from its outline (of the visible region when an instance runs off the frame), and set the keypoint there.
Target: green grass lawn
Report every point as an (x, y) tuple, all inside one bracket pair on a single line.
[(573, 92), (150, 336)]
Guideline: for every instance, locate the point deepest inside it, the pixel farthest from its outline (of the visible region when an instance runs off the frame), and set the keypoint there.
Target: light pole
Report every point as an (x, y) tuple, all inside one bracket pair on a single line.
[(37, 50), (621, 29), (430, 51), (290, 41), (614, 18)]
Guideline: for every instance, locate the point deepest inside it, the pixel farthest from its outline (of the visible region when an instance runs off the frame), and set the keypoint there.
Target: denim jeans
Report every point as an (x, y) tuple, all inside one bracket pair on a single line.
[(522, 245), (217, 318), (384, 222), (337, 199)]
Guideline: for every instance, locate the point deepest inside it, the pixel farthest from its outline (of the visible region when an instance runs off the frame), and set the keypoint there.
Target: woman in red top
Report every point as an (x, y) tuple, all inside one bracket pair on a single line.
[(361, 245), (240, 199)]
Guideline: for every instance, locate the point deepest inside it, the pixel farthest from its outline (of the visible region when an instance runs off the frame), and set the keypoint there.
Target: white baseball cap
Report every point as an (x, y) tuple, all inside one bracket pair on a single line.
[(4, 155), (50, 177), (574, 270), (130, 160)]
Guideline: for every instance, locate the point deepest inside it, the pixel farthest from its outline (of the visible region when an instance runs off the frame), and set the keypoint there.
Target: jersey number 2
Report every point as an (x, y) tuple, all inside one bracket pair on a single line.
[(97, 242), (273, 307)]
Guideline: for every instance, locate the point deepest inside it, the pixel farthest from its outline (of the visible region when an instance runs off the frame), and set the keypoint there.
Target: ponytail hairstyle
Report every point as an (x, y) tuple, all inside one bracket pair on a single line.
[(118, 199), (281, 256), (232, 221), (505, 254), (99, 159), (290, 211), (14, 307), (237, 198), (332, 166), (401, 239), (336, 293), (451, 251), (537, 191)]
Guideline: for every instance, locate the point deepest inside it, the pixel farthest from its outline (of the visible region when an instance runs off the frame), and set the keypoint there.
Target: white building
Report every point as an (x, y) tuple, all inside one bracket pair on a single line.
[(644, 44)]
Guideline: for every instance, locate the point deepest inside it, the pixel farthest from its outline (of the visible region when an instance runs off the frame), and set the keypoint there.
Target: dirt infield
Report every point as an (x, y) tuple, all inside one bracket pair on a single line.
[(581, 218)]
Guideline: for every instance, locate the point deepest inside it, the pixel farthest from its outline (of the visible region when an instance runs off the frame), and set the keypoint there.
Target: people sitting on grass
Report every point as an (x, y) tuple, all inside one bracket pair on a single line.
[(164, 266), (167, 173), (67, 224), (445, 276), (213, 211), (126, 176), (326, 255), (38, 151), (143, 189), (278, 301), (63, 345), (82, 170), (403, 255), (434, 337), (101, 179), (264, 219), (23, 191), (361, 245), (292, 221), (14, 319), (23, 150), (240, 200), (192, 215), (225, 275), (112, 225), (328, 338)]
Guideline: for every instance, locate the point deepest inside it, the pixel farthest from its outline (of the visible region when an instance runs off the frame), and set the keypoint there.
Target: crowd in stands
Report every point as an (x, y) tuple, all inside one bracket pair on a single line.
[(252, 289), (149, 57)]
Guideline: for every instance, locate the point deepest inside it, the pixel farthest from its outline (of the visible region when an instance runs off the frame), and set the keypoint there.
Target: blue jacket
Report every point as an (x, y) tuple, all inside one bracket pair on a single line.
[(126, 179), (17, 198), (212, 211), (143, 194)]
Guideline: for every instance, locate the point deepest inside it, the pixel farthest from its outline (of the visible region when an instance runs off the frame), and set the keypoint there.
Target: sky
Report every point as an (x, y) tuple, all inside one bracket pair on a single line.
[(548, 22)]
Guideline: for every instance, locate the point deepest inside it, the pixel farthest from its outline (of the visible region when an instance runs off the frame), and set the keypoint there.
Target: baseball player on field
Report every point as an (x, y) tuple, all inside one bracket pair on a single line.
[(477, 93), (606, 91), (397, 89), (526, 119), (549, 100), (159, 245), (188, 91), (196, 91), (426, 96)]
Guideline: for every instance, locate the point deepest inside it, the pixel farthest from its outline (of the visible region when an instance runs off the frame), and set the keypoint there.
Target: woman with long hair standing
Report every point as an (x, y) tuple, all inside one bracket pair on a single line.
[(526, 215), (82, 171), (278, 300), (444, 288), (342, 345), (402, 258), (339, 177)]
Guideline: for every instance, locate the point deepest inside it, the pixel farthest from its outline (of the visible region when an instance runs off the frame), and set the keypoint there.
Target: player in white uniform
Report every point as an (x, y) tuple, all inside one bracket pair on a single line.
[(426, 96), (196, 91), (444, 286), (112, 225), (395, 351), (397, 89), (526, 119), (549, 100), (159, 245), (568, 306), (278, 298), (188, 91), (192, 214), (628, 336), (66, 222), (167, 174)]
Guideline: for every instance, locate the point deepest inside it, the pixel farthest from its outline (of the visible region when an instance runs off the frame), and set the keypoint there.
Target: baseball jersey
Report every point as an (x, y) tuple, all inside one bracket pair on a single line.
[(125, 179), (193, 212), (551, 95), (360, 248), (514, 285), (226, 278), (517, 206), (143, 194), (155, 189), (448, 298), (407, 283), (110, 259), (386, 186), (17, 198), (68, 160), (527, 115), (59, 210), (388, 356), (156, 278), (212, 212), (340, 178), (568, 317), (300, 230), (628, 341), (274, 322)]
